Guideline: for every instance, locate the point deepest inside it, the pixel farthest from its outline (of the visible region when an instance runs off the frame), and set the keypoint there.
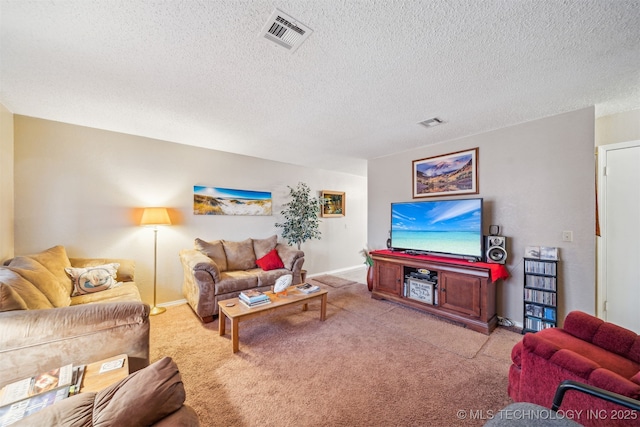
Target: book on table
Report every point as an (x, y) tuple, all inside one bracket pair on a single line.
[(76, 380), (308, 288), (253, 296), (255, 303)]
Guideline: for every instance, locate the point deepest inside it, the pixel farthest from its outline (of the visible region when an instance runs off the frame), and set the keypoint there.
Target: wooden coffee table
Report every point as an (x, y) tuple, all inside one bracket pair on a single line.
[(239, 311)]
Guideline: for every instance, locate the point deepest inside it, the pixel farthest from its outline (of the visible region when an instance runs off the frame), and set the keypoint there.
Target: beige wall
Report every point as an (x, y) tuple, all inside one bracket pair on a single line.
[(81, 187), (6, 178), (620, 127), (90, 181), (536, 179)]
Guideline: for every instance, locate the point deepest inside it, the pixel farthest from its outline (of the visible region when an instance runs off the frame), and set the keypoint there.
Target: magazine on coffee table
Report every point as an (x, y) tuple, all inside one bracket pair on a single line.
[(16, 411), (27, 396), (35, 385), (308, 288)]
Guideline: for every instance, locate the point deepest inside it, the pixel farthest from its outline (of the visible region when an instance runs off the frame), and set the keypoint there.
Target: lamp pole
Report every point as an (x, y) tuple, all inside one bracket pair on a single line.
[(155, 309), (153, 217)]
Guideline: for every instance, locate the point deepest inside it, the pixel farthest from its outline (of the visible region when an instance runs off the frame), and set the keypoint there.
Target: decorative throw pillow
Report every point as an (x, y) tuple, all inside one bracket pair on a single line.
[(126, 270), (240, 255), (270, 261), (33, 298), (55, 260), (10, 300), (213, 250), (261, 247), (87, 280), (43, 279)]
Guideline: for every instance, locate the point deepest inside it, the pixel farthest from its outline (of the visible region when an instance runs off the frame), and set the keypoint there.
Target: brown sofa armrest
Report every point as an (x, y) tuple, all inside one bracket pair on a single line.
[(126, 271), (33, 341), (194, 260), (199, 282), (289, 256), (292, 260)]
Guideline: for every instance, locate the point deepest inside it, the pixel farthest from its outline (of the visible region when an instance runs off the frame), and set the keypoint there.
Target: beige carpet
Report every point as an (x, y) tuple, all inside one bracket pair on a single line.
[(333, 281), (371, 363)]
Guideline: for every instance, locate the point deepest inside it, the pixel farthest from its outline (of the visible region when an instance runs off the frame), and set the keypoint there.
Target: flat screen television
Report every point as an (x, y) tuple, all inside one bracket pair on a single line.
[(438, 227)]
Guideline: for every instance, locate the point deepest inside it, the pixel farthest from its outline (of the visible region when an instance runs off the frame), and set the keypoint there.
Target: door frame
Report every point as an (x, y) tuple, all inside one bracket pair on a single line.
[(601, 242)]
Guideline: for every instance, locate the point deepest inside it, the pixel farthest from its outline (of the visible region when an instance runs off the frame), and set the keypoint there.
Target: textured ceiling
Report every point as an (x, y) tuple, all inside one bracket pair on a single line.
[(196, 72)]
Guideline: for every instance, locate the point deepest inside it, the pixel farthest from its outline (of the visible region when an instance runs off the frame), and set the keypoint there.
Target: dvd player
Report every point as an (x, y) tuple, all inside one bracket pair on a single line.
[(431, 276)]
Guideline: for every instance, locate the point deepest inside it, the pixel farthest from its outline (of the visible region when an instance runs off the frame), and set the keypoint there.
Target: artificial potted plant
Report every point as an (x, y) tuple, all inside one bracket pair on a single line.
[(368, 259), (301, 220)]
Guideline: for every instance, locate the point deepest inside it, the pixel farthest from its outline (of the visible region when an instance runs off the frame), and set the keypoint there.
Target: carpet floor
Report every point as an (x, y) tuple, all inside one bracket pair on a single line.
[(371, 363)]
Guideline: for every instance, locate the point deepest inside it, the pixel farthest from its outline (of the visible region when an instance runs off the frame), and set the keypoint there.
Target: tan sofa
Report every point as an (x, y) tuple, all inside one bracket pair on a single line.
[(153, 396), (43, 327), (219, 270)]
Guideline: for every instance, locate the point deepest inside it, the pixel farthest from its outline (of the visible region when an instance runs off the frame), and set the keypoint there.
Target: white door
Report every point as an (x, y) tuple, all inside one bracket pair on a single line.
[(619, 290)]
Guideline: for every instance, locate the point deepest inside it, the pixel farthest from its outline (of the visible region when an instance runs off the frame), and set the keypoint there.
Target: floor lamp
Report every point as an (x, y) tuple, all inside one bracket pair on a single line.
[(153, 217)]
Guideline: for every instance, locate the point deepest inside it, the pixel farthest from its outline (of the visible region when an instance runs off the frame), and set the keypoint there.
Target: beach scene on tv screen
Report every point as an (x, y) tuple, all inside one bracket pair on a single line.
[(450, 227)]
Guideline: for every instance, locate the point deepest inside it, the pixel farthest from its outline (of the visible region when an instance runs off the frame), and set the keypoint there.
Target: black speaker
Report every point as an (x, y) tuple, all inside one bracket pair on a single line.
[(389, 241), (496, 247)]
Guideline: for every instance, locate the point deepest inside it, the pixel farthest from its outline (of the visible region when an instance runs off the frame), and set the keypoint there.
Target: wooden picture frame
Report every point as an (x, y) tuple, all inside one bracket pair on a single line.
[(333, 204), (446, 175)]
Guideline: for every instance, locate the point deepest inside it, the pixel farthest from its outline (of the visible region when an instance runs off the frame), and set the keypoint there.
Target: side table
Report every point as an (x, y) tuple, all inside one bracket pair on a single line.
[(95, 381)]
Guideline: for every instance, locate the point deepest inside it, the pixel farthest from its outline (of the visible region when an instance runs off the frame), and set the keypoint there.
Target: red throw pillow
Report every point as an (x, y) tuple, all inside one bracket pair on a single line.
[(270, 261)]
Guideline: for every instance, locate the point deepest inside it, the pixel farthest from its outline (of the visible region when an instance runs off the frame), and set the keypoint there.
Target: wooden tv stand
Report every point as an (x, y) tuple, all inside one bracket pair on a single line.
[(464, 292)]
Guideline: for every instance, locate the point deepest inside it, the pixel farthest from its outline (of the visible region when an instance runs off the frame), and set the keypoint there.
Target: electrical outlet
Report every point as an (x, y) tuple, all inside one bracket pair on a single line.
[(567, 236)]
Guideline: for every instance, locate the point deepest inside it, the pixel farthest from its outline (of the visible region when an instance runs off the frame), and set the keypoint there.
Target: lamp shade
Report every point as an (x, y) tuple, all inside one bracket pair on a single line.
[(155, 216)]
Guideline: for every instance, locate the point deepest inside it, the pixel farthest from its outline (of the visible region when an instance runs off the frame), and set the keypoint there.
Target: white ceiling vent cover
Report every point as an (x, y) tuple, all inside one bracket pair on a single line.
[(434, 121), (285, 30)]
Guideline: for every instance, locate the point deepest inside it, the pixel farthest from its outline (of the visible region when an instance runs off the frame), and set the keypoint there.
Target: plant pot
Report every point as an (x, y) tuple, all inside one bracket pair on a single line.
[(370, 278), (303, 275)]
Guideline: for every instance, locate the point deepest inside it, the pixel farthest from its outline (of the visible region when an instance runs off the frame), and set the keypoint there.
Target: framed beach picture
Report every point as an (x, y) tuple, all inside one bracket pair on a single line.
[(227, 201), (447, 175), (333, 204)]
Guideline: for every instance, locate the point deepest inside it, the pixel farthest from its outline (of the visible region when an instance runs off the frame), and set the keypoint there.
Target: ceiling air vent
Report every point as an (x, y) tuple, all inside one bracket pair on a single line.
[(285, 31), (434, 121)]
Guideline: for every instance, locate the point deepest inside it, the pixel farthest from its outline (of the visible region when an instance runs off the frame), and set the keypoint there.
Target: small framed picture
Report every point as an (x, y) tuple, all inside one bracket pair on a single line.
[(333, 204)]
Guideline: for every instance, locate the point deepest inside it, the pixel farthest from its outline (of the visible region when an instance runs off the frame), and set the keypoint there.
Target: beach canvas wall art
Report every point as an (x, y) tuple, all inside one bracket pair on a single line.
[(227, 201)]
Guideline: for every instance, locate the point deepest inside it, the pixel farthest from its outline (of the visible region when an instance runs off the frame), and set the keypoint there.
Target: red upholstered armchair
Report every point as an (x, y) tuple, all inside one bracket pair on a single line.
[(587, 350)]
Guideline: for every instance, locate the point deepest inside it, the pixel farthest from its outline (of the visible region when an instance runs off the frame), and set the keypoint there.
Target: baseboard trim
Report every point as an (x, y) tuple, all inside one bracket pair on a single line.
[(338, 271), (172, 303)]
